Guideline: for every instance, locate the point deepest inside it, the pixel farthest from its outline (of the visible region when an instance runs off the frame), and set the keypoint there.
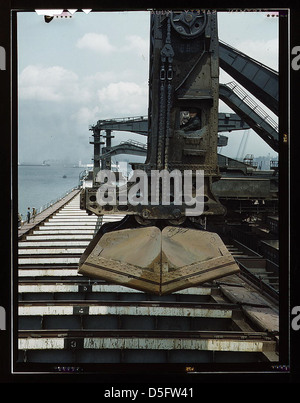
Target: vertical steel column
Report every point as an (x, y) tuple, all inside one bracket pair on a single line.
[(96, 158), (107, 159)]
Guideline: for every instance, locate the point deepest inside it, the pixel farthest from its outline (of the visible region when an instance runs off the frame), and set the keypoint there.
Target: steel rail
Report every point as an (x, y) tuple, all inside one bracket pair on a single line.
[(160, 304), (199, 334)]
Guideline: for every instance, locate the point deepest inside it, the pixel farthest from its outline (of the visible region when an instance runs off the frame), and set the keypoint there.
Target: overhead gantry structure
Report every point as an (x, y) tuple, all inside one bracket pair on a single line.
[(257, 78), (139, 124), (159, 247), (260, 80)]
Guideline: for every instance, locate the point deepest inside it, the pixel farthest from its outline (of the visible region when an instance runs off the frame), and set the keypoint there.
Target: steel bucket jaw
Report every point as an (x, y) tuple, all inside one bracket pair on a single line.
[(159, 262)]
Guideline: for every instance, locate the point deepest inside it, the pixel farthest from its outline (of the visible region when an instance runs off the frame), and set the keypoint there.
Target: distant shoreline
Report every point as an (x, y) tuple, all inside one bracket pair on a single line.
[(33, 165)]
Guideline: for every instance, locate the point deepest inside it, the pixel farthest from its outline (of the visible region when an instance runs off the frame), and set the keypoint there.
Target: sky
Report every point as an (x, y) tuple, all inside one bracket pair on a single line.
[(74, 71)]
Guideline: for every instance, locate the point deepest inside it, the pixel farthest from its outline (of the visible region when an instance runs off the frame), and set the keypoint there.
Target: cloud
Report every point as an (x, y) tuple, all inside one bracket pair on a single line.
[(117, 99), (100, 43), (123, 98), (57, 84), (138, 44), (86, 116), (101, 78), (53, 83), (95, 42), (85, 100)]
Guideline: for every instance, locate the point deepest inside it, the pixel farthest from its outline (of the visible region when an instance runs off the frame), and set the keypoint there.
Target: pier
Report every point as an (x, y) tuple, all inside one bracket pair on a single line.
[(64, 317)]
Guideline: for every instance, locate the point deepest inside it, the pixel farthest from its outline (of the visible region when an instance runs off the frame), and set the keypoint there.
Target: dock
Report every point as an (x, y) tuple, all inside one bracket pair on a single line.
[(67, 318)]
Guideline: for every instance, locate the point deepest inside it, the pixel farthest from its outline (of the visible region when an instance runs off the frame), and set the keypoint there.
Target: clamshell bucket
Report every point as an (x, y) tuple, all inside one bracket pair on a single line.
[(157, 261)]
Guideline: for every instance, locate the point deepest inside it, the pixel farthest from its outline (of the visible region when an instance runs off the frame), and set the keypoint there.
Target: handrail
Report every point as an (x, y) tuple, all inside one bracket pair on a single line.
[(134, 143), (119, 120), (53, 201), (252, 104)]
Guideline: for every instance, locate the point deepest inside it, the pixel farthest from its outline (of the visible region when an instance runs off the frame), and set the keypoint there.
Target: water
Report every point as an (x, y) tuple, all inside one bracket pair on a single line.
[(38, 185)]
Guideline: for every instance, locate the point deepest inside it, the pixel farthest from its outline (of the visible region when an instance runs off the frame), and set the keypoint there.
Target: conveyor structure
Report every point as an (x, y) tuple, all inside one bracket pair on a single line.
[(237, 99), (139, 125), (260, 80)]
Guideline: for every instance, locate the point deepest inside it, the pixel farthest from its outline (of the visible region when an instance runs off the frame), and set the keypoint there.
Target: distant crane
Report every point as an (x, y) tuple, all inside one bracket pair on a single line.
[(242, 146)]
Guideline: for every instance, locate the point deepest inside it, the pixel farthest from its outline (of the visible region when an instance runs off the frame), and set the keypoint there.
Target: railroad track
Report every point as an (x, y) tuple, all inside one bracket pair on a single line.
[(68, 318), (261, 272)]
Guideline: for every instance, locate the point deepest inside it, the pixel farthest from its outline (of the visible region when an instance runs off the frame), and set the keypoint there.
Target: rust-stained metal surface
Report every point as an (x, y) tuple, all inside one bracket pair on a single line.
[(183, 113), (183, 122), (158, 261)]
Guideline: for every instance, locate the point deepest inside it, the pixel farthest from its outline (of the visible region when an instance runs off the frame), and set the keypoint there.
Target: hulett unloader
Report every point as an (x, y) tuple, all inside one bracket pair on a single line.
[(159, 248)]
